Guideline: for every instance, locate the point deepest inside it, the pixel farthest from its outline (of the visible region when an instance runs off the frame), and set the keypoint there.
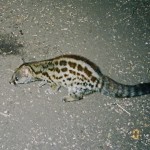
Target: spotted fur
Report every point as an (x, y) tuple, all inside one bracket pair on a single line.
[(78, 74)]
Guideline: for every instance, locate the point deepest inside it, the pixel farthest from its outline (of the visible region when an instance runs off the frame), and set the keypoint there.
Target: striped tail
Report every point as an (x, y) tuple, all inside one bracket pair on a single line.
[(114, 89)]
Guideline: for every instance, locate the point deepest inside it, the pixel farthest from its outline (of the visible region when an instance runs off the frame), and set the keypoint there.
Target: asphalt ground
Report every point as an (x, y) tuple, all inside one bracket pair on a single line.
[(113, 34)]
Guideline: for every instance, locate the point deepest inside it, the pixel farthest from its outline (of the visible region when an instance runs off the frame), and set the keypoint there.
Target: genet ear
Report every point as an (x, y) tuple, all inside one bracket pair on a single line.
[(26, 70)]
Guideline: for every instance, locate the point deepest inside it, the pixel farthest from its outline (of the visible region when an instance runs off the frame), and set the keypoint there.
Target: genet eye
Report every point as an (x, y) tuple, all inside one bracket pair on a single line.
[(16, 78)]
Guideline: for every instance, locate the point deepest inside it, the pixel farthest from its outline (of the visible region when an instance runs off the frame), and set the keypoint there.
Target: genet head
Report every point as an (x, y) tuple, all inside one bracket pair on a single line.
[(22, 75)]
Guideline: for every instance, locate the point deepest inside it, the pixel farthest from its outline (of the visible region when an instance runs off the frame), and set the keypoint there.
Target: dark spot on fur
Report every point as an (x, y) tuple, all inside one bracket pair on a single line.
[(47, 75), (72, 64), (84, 78), (72, 72), (62, 63), (81, 79), (68, 79), (54, 76), (89, 73), (80, 68), (84, 84), (56, 62), (78, 74), (57, 70), (91, 85), (64, 69), (51, 69), (93, 79), (65, 75)]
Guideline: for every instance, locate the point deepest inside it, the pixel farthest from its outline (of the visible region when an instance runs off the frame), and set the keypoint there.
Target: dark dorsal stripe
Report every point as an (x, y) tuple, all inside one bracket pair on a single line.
[(87, 61), (63, 63)]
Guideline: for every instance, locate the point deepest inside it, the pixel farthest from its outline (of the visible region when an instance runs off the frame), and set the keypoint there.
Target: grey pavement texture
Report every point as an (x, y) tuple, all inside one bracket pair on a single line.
[(114, 34)]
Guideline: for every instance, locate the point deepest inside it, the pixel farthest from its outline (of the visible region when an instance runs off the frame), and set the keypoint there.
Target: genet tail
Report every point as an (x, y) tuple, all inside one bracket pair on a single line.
[(114, 89)]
